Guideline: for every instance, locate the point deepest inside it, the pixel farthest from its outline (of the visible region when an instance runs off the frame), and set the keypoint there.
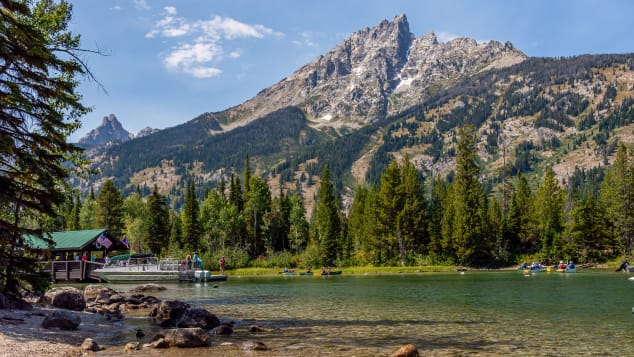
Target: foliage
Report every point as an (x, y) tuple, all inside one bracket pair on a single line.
[(39, 109), (109, 209)]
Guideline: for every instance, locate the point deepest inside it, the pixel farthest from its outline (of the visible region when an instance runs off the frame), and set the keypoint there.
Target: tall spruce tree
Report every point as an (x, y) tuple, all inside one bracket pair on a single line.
[(467, 235), (109, 209), (39, 109), (158, 228), (189, 218), (412, 223), (550, 219), (257, 204), (326, 220)]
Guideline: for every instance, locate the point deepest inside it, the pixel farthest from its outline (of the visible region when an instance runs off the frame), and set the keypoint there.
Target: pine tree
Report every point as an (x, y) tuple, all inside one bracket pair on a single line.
[(412, 220), (176, 233), (189, 218), (39, 109), (298, 230), (87, 213), (390, 199), (109, 209), (467, 235), (327, 224), (549, 213), (521, 218), (74, 222), (257, 204), (436, 209), (157, 222)]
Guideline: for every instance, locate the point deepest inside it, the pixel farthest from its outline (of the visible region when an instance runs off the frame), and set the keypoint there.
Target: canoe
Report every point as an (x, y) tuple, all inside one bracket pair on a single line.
[(308, 273), (528, 271), (338, 272)]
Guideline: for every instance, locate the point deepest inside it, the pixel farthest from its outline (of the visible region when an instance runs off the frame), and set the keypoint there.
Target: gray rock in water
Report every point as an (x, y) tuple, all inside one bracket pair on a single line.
[(89, 345), (66, 298), (253, 346), (147, 287), (223, 329), (187, 337), (64, 320)]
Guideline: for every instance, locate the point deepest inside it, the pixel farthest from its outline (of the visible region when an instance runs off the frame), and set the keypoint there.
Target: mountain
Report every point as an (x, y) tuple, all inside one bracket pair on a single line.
[(383, 94), (110, 130), (373, 73)]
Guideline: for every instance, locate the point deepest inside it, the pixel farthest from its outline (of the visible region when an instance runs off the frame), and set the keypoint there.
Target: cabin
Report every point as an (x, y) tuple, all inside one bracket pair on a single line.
[(64, 253)]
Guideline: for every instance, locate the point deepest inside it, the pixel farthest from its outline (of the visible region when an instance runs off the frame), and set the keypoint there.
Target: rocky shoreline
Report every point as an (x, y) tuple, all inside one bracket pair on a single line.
[(67, 321)]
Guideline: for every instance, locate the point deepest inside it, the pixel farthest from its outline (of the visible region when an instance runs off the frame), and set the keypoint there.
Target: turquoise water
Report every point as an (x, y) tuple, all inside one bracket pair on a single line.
[(476, 313)]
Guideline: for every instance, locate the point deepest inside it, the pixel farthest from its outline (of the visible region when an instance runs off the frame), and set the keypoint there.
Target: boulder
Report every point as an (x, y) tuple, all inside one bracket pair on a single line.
[(147, 287), (64, 320), (94, 292), (408, 350), (187, 337), (12, 302), (89, 345), (131, 346), (159, 343), (169, 312), (196, 317), (253, 346), (223, 329), (66, 298)]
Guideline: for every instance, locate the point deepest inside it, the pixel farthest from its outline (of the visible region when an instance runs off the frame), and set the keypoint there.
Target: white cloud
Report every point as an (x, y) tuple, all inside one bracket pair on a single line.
[(116, 8), (170, 10), (141, 5), (200, 49), (202, 72), (187, 55)]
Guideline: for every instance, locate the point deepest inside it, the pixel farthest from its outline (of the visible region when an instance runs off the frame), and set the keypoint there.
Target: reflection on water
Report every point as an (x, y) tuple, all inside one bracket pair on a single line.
[(481, 313)]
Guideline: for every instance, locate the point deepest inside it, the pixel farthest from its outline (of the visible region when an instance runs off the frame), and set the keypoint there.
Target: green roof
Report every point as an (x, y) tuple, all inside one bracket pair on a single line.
[(68, 240)]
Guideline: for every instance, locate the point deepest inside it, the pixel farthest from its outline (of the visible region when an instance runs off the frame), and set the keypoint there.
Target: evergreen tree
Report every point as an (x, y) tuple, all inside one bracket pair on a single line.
[(390, 199), (356, 218), (235, 193), (247, 177), (298, 230), (158, 228), (617, 198), (436, 208), (587, 236), (549, 213), (87, 213), (521, 218), (39, 109), (74, 222), (257, 204), (109, 209), (326, 220), (412, 221), (176, 234), (191, 228), (467, 236)]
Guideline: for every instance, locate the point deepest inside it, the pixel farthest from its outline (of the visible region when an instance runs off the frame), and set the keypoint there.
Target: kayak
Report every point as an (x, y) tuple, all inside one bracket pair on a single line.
[(308, 273), (338, 272), (287, 273), (528, 271)]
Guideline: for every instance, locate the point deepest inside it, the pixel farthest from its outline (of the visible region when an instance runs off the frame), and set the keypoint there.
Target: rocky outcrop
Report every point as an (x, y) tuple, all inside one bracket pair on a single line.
[(253, 346), (109, 131), (147, 288), (65, 320), (145, 132), (90, 345), (65, 297)]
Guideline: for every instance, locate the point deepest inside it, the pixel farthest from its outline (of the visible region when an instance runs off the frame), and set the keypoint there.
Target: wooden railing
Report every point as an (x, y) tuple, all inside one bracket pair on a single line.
[(72, 270)]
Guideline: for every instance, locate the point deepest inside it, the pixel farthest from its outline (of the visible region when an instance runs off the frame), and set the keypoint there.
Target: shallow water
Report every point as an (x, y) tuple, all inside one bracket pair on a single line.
[(476, 313)]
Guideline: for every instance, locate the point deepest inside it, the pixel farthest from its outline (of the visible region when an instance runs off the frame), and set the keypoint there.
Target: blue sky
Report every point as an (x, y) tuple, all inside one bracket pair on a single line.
[(166, 62)]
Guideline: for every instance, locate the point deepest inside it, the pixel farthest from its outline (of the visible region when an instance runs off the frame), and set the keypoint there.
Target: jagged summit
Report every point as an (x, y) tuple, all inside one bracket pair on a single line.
[(373, 73), (110, 130)]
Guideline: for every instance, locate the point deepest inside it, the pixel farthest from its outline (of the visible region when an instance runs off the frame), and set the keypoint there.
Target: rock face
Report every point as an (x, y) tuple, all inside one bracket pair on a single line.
[(109, 131), (375, 72), (145, 132), (66, 298), (64, 320)]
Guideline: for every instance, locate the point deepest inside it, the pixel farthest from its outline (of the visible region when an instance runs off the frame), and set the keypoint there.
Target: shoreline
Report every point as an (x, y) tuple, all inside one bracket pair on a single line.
[(21, 332)]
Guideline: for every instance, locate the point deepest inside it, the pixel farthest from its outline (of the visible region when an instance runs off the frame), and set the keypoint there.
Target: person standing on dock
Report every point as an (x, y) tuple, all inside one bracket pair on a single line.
[(222, 265), (188, 261)]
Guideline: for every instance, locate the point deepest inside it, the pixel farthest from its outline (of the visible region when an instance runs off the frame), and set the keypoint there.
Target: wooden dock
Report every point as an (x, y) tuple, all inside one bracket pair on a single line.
[(73, 270)]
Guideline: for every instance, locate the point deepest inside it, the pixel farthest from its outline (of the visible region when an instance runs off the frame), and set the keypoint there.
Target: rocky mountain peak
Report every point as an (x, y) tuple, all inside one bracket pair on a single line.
[(373, 73), (110, 130)]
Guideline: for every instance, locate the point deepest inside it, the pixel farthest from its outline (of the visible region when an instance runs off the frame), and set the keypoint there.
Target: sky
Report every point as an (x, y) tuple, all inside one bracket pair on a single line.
[(163, 63)]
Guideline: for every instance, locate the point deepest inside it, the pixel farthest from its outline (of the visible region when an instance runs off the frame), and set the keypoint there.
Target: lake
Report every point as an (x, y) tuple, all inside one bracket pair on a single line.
[(475, 313)]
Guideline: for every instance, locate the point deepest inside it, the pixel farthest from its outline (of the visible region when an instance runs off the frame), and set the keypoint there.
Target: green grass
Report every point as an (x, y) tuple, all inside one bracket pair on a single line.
[(364, 270)]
